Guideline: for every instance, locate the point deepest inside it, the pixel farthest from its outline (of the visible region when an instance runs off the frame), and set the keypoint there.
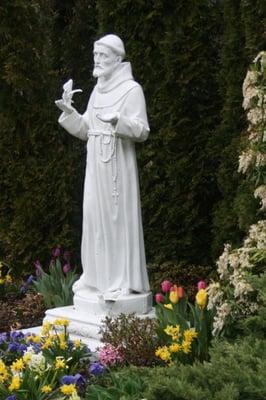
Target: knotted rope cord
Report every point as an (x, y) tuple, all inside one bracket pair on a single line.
[(112, 157)]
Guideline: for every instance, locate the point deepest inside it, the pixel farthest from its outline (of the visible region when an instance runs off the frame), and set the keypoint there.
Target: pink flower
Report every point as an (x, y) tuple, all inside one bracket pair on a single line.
[(166, 286), (66, 268), (38, 267), (202, 285), (159, 298), (56, 252), (110, 355)]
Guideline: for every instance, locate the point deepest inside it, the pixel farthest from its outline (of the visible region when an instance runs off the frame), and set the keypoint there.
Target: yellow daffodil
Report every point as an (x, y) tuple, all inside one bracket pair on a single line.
[(59, 363), (168, 306), (36, 338), (2, 281), (18, 365), (61, 322), (3, 372), (46, 389), (68, 389), (47, 344), (15, 383), (175, 348), (189, 335), (163, 353), (173, 331), (63, 345), (26, 358), (186, 347), (46, 327), (77, 343), (202, 298)]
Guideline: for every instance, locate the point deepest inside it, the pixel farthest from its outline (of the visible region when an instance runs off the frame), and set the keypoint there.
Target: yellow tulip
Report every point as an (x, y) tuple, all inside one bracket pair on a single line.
[(173, 296), (202, 298)]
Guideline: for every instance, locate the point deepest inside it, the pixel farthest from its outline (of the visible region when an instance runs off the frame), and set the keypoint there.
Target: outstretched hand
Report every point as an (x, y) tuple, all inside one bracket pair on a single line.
[(110, 118)]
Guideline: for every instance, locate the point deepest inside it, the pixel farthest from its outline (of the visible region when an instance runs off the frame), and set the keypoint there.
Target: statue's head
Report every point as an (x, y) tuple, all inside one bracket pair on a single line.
[(108, 52)]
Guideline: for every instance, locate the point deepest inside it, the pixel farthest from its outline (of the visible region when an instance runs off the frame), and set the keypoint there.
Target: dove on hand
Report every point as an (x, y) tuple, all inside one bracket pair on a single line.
[(65, 104)]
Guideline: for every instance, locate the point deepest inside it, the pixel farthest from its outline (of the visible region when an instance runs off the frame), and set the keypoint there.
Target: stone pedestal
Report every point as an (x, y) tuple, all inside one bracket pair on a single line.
[(87, 314)]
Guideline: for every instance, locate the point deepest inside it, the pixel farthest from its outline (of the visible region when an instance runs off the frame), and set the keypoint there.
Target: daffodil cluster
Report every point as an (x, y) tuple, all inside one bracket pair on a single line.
[(180, 344), (46, 364)]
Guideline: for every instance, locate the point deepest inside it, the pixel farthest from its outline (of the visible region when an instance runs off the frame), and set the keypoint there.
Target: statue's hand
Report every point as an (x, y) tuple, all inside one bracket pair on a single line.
[(68, 109), (111, 118)]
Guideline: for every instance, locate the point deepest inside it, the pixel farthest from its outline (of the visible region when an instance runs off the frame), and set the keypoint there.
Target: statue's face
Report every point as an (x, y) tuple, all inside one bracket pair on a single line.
[(105, 61)]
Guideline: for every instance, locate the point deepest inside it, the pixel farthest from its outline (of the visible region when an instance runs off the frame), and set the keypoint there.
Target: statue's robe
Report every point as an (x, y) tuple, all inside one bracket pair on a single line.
[(112, 250)]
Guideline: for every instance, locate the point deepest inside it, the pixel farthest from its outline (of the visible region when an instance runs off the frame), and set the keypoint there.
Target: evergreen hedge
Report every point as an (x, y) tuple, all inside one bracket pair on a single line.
[(190, 57)]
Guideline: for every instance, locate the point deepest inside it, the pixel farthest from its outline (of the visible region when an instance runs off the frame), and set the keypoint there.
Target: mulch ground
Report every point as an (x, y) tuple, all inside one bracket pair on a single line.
[(18, 313)]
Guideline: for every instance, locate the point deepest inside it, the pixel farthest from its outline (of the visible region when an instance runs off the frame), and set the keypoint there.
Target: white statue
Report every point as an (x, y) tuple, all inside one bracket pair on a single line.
[(112, 250)]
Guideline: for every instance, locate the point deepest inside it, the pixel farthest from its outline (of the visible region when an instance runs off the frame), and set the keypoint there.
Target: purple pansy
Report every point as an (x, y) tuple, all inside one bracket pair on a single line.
[(73, 379), (3, 337), (12, 397), (96, 368), (30, 280)]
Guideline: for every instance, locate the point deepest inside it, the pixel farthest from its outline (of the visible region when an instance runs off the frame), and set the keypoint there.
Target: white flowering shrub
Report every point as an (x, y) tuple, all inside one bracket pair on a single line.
[(233, 297)]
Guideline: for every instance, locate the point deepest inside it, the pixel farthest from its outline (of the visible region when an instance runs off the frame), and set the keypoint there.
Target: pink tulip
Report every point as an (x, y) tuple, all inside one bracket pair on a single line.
[(202, 285), (159, 298), (66, 268), (166, 286)]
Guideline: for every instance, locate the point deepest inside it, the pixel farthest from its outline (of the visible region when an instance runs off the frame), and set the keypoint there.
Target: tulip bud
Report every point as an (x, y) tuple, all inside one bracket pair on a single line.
[(66, 268), (159, 298), (202, 298), (202, 285), (166, 286), (173, 297), (180, 292)]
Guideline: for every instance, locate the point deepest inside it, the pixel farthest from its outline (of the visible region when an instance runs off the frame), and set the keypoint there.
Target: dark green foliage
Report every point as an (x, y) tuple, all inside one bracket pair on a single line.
[(136, 337), (180, 274), (117, 386), (41, 172), (191, 57), (235, 372), (256, 325), (242, 38)]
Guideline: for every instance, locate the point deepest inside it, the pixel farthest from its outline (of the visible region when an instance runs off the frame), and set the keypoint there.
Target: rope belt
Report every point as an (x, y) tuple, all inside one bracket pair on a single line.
[(112, 139)]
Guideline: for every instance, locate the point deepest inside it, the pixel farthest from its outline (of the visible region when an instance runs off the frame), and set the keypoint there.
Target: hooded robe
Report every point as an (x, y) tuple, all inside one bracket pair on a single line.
[(112, 249)]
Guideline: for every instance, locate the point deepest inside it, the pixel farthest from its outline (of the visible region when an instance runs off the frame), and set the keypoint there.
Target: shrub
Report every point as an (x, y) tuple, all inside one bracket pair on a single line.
[(135, 337)]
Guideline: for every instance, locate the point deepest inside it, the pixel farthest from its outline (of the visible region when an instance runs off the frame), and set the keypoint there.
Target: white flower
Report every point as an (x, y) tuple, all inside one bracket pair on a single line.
[(37, 362), (223, 262), (215, 295), (255, 115), (233, 259), (245, 160), (260, 193), (257, 235), (219, 319), (250, 80)]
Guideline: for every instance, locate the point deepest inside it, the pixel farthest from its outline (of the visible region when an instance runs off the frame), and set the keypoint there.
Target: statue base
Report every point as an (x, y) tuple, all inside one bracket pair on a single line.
[(86, 316)]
